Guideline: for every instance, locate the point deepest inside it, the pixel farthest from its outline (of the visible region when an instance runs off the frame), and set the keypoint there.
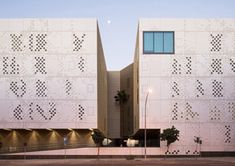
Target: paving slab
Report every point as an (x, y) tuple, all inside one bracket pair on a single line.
[(225, 161)]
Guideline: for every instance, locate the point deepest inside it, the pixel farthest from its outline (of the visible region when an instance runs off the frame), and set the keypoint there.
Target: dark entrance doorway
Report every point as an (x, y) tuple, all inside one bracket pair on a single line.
[(153, 137)]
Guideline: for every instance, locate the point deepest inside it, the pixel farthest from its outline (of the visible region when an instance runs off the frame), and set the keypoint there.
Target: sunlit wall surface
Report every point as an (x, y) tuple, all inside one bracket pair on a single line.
[(193, 88), (48, 73)]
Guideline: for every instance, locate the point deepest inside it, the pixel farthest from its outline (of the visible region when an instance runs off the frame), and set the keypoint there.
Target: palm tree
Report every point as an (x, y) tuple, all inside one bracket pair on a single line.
[(121, 97)]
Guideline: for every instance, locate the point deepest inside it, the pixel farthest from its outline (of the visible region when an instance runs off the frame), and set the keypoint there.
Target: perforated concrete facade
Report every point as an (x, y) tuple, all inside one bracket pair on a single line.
[(49, 73), (194, 88)]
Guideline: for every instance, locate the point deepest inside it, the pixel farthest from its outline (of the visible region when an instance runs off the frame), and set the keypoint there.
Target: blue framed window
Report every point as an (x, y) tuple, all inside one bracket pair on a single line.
[(159, 42)]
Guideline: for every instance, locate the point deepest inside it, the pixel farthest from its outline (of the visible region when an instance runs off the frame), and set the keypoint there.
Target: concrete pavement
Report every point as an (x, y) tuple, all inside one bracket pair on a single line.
[(214, 161)]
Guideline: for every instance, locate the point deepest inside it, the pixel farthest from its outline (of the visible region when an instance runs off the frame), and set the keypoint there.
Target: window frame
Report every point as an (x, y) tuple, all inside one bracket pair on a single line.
[(147, 52)]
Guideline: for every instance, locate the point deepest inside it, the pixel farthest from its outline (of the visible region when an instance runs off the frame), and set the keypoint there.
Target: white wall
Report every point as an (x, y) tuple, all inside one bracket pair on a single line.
[(195, 73), (48, 76)]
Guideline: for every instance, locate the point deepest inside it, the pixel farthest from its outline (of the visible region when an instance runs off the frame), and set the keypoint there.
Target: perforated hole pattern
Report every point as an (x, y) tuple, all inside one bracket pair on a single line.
[(231, 110), (41, 42), (189, 65), (16, 42), (190, 115), (216, 42), (78, 41), (68, 87), (227, 134), (176, 91), (81, 64), (80, 112), (176, 67), (17, 112), (215, 114), (175, 112), (200, 89), (41, 88), (18, 90), (10, 66), (232, 64), (216, 66), (40, 65), (217, 88)]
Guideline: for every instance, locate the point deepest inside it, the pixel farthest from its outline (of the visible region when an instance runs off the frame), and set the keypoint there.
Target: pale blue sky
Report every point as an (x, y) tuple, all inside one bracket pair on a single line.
[(119, 36)]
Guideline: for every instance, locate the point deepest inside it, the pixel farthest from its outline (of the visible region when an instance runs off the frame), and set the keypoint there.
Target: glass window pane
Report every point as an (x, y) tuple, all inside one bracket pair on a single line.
[(168, 42), (148, 42), (158, 42)]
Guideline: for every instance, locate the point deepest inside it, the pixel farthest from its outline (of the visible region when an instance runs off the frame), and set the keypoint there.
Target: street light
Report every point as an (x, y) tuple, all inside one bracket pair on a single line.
[(145, 131)]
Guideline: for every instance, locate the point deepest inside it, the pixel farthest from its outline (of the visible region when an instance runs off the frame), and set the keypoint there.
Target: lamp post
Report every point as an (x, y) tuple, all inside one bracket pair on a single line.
[(145, 130)]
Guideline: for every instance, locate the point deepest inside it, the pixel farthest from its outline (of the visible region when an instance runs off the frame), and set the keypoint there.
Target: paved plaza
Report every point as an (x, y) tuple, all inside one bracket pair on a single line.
[(224, 161)]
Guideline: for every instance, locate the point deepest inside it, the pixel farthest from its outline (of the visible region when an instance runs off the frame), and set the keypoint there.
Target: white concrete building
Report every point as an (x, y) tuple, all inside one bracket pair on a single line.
[(53, 74), (189, 64)]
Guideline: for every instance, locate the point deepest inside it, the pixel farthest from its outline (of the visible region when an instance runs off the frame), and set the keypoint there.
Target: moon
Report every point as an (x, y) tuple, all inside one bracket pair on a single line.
[(109, 21)]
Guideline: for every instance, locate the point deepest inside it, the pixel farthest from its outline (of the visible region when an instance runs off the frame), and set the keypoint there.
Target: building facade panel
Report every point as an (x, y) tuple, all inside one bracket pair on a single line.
[(192, 89), (48, 73)]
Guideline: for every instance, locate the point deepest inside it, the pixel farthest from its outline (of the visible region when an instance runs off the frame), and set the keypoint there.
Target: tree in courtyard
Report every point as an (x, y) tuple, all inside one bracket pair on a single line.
[(170, 135), (121, 97), (98, 138)]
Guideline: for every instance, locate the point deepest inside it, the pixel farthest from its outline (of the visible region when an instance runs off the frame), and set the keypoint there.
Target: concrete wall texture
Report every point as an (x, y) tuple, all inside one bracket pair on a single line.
[(48, 73), (194, 88), (102, 87), (126, 83)]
